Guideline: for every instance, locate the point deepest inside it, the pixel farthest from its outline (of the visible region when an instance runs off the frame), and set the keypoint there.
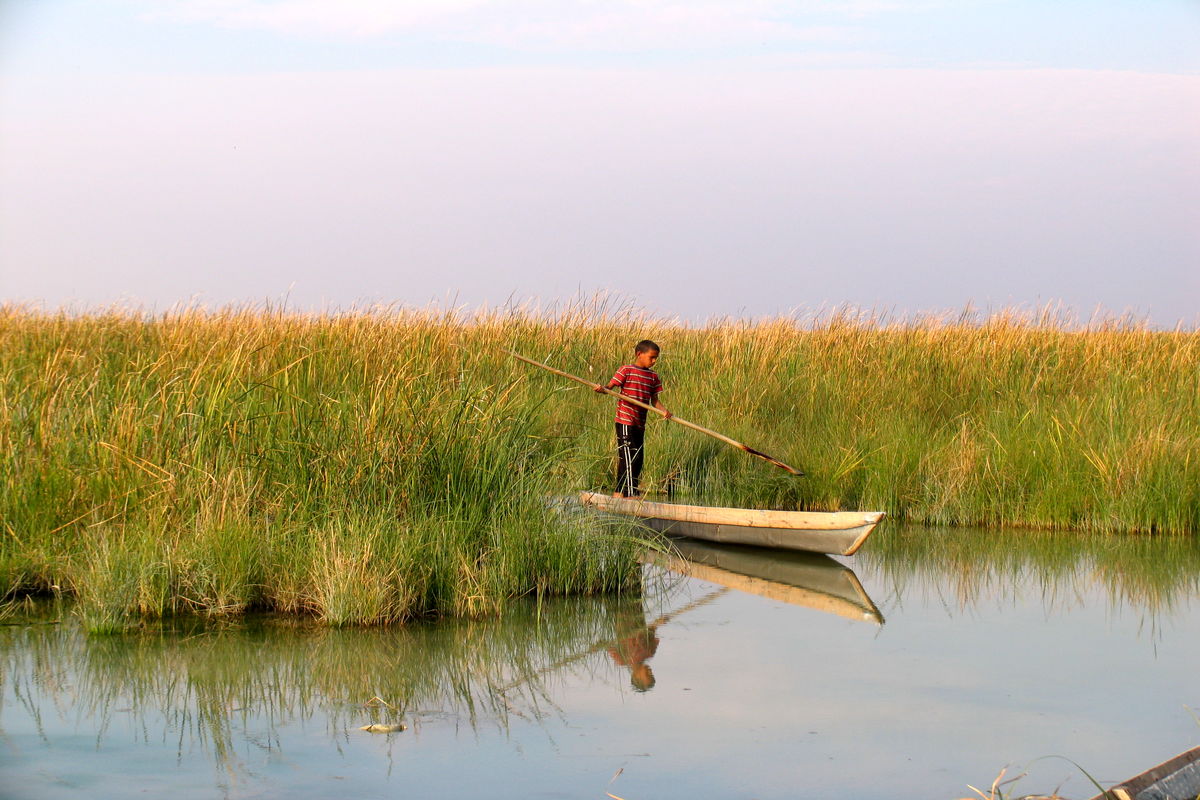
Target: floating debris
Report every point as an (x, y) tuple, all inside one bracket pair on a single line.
[(379, 727)]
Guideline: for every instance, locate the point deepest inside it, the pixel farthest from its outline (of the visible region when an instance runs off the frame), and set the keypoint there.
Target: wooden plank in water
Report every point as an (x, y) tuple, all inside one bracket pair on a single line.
[(1177, 779)]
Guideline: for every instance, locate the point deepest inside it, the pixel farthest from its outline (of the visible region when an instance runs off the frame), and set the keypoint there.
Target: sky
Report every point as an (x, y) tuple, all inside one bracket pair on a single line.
[(695, 160)]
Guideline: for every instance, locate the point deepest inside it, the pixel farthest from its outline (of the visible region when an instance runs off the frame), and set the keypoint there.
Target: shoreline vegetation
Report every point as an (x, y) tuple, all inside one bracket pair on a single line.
[(381, 466)]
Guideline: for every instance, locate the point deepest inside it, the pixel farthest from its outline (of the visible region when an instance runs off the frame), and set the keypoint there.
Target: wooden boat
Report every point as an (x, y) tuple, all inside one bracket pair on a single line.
[(836, 533), (810, 580)]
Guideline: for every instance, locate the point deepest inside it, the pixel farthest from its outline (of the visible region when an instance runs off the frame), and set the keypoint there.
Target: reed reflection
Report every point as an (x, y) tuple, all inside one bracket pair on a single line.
[(210, 685), (1150, 575)]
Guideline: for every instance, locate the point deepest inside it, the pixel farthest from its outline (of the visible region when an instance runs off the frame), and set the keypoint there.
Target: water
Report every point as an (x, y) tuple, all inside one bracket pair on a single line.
[(941, 658)]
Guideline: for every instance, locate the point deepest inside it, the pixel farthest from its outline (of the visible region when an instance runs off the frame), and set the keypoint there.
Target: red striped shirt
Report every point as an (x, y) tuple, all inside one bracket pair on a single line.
[(640, 384)]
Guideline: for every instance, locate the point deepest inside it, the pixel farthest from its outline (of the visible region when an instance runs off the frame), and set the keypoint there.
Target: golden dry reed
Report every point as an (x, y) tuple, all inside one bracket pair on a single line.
[(374, 466)]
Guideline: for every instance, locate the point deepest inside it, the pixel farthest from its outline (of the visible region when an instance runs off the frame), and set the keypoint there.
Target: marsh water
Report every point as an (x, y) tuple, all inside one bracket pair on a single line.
[(930, 661)]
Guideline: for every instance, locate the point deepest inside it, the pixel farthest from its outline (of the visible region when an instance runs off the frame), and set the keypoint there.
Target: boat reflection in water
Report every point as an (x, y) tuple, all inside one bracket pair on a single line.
[(803, 579)]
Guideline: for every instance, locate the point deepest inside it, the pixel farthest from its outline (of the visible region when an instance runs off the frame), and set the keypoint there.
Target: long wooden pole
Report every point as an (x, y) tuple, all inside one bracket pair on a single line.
[(647, 406)]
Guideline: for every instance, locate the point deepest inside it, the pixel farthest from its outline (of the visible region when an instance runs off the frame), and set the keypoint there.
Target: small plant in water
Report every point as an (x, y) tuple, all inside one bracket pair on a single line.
[(997, 790)]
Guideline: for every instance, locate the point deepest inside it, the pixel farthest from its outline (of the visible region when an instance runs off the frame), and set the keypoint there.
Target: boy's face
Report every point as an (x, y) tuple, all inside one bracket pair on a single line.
[(645, 359)]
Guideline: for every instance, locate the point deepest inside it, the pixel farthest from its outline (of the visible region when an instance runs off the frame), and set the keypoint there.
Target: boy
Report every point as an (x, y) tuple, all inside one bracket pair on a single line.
[(640, 382)]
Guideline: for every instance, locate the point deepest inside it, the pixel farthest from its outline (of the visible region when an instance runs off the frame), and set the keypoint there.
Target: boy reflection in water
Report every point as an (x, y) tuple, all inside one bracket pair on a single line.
[(635, 645)]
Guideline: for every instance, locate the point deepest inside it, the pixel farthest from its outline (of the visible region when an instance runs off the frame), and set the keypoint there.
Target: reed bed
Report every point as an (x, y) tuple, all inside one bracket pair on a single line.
[(383, 465)]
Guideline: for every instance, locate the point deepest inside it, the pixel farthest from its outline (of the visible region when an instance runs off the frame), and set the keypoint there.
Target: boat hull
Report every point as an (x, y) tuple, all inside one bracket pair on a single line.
[(833, 533)]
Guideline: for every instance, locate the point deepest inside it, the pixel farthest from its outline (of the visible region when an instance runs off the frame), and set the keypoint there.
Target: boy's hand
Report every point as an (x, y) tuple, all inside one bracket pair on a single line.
[(667, 414), (601, 388)]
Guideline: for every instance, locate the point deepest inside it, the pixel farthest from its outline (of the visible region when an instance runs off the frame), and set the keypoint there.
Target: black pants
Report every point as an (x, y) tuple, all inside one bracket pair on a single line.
[(630, 448)]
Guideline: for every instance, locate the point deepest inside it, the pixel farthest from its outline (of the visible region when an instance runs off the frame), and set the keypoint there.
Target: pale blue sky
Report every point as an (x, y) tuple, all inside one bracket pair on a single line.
[(698, 159)]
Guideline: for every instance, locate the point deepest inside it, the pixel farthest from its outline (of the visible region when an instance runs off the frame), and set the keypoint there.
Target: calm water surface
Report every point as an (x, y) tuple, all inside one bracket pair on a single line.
[(939, 658)]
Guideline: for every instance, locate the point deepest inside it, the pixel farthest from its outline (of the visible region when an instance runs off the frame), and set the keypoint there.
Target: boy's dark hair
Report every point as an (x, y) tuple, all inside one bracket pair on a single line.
[(645, 345)]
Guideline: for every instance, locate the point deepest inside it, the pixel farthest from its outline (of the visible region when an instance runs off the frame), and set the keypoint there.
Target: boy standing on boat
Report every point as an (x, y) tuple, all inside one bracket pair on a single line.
[(637, 381)]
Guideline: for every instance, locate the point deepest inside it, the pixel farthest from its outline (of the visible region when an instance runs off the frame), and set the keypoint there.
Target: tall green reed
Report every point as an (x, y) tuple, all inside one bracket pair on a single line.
[(258, 459)]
